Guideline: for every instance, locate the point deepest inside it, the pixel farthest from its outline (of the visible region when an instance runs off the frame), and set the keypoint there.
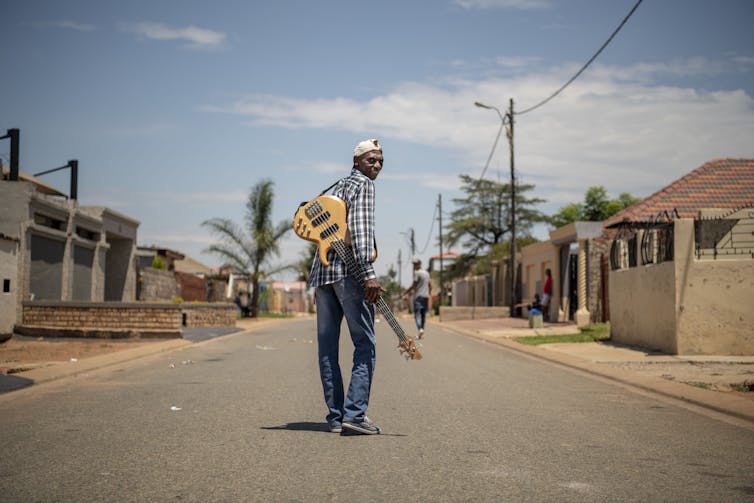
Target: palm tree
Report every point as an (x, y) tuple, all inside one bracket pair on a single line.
[(249, 253)]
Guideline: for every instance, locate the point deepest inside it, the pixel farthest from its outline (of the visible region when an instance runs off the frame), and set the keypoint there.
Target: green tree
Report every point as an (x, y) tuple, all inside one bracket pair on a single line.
[(567, 214), (248, 250), (597, 206), (481, 219)]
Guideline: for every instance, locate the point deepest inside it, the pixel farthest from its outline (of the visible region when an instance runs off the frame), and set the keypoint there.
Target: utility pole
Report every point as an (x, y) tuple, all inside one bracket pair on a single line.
[(439, 212), (507, 120), (513, 212)]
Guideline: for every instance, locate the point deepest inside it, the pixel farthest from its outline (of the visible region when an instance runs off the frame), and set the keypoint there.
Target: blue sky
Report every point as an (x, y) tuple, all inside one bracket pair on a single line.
[(174, 109)]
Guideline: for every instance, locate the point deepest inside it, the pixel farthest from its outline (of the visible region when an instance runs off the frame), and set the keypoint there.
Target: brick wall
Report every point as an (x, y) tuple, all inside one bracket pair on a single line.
[(103, 320), (595, 301), (209, 315), (114, 320)]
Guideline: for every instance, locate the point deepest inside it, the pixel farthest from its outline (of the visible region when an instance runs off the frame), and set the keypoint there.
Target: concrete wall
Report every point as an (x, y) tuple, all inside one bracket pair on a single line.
[(535, 260), (157, 285), (687, 306), (471, 291), (451, 313), (8, 285), (715, 300), (642, 307)]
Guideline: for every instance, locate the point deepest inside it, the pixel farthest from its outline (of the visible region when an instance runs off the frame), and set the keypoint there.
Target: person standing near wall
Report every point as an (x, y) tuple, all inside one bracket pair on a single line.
[(547, 294)]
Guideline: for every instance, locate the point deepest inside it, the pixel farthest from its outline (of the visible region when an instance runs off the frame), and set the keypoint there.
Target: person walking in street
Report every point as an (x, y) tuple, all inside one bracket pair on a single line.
[(340, 293), (421, 288)]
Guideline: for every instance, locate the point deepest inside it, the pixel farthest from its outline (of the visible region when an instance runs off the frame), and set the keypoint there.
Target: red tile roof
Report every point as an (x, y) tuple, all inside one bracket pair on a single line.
[(720, 184)]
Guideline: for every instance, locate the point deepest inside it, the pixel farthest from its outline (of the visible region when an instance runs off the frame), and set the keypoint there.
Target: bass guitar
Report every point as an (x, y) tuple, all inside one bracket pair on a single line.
[(323, 222)]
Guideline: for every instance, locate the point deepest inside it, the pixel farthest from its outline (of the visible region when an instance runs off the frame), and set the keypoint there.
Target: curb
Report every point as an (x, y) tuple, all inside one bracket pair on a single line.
[(63, 370), (737, 407)]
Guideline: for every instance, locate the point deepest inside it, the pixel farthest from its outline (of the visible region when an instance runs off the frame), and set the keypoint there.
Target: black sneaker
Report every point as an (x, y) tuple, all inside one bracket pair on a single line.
[(365, 427), (335, 428)]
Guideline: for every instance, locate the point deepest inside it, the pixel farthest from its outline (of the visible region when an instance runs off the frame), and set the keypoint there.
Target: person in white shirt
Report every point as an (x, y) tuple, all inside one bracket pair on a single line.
[(421, 288)]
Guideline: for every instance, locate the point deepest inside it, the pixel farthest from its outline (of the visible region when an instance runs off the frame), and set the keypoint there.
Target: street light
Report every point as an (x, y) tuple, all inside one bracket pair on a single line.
[(507, 119)]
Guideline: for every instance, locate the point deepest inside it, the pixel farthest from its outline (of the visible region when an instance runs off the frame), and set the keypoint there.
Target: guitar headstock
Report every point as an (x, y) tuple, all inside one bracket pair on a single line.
[(410, 349)]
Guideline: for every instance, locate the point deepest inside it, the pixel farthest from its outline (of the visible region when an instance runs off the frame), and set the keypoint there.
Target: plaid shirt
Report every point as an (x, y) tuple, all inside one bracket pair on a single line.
[(358, 192)]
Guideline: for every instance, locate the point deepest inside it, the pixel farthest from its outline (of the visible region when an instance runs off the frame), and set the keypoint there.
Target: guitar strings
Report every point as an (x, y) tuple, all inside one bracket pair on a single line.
[(338, 245), (381, 304)]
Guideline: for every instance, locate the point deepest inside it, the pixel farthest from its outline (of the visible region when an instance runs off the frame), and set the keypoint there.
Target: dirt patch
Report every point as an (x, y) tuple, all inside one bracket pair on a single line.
[(735, 377), (19, 354)]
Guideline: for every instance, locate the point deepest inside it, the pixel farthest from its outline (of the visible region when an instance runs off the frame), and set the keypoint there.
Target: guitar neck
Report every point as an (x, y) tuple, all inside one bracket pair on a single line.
[(343, 252)]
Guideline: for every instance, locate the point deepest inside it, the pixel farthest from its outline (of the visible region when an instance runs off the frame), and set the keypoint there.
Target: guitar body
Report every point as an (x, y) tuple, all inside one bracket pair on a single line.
[(323, 221)]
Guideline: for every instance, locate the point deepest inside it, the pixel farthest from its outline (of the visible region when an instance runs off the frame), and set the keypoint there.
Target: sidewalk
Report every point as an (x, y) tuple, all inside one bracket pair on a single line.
[(706, 381)]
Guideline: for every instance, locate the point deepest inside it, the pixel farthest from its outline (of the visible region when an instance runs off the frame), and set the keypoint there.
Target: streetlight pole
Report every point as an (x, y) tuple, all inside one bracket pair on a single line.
[(507, 119)]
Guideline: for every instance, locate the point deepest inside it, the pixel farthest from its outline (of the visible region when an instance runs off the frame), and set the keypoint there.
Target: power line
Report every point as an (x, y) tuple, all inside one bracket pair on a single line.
[(431, 226), (586, 65)]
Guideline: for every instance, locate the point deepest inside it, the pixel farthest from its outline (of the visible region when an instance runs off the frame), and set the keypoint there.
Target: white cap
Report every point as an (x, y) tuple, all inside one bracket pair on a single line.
[(366, 146)]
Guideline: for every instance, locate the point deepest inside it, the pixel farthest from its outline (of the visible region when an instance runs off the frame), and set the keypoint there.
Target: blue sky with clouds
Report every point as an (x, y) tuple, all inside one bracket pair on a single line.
[(174, 109)]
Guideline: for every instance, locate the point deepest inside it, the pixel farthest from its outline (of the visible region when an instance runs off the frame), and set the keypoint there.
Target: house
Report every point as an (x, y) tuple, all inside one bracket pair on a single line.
[(71, 270), (682, 264), (574, 257), (53, 249), (585, 261)]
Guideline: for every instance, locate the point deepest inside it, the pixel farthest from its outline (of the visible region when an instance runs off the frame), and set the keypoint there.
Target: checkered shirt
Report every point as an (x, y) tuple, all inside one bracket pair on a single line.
[(357, 191)]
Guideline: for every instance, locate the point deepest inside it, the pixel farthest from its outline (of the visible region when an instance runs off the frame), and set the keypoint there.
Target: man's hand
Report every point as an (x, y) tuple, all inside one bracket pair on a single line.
[(372, 290)]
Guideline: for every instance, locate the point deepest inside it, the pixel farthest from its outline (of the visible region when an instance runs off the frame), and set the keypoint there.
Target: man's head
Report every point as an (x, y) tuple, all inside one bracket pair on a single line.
[(417, 263), (367, 158)]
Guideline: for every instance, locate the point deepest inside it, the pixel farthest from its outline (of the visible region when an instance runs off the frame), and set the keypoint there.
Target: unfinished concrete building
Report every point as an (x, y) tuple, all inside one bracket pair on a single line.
[(53, 249)]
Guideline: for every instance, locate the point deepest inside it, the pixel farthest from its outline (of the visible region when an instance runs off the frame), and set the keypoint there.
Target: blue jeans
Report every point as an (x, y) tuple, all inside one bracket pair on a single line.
[(421, 306), (345, 298)]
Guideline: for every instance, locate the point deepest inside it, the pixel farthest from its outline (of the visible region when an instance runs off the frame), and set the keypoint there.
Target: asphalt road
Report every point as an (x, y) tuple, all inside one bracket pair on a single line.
[(241, 418)]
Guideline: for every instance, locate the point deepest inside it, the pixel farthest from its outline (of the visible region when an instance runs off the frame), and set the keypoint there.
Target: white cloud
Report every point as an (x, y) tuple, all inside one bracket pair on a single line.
[(197, 37), (503, 4), (614, 126)]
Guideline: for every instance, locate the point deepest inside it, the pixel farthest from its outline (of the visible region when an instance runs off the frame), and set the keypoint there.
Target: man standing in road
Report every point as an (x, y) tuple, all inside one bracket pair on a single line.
[(340, 293), (421, 287)]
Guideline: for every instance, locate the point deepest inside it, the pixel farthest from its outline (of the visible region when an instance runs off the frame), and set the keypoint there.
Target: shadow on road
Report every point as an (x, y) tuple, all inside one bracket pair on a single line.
[(302, 426), (12, 383), (321, 427)]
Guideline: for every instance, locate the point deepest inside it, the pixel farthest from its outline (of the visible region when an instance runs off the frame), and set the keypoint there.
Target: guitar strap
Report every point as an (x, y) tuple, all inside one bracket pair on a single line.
[(323, 192)]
